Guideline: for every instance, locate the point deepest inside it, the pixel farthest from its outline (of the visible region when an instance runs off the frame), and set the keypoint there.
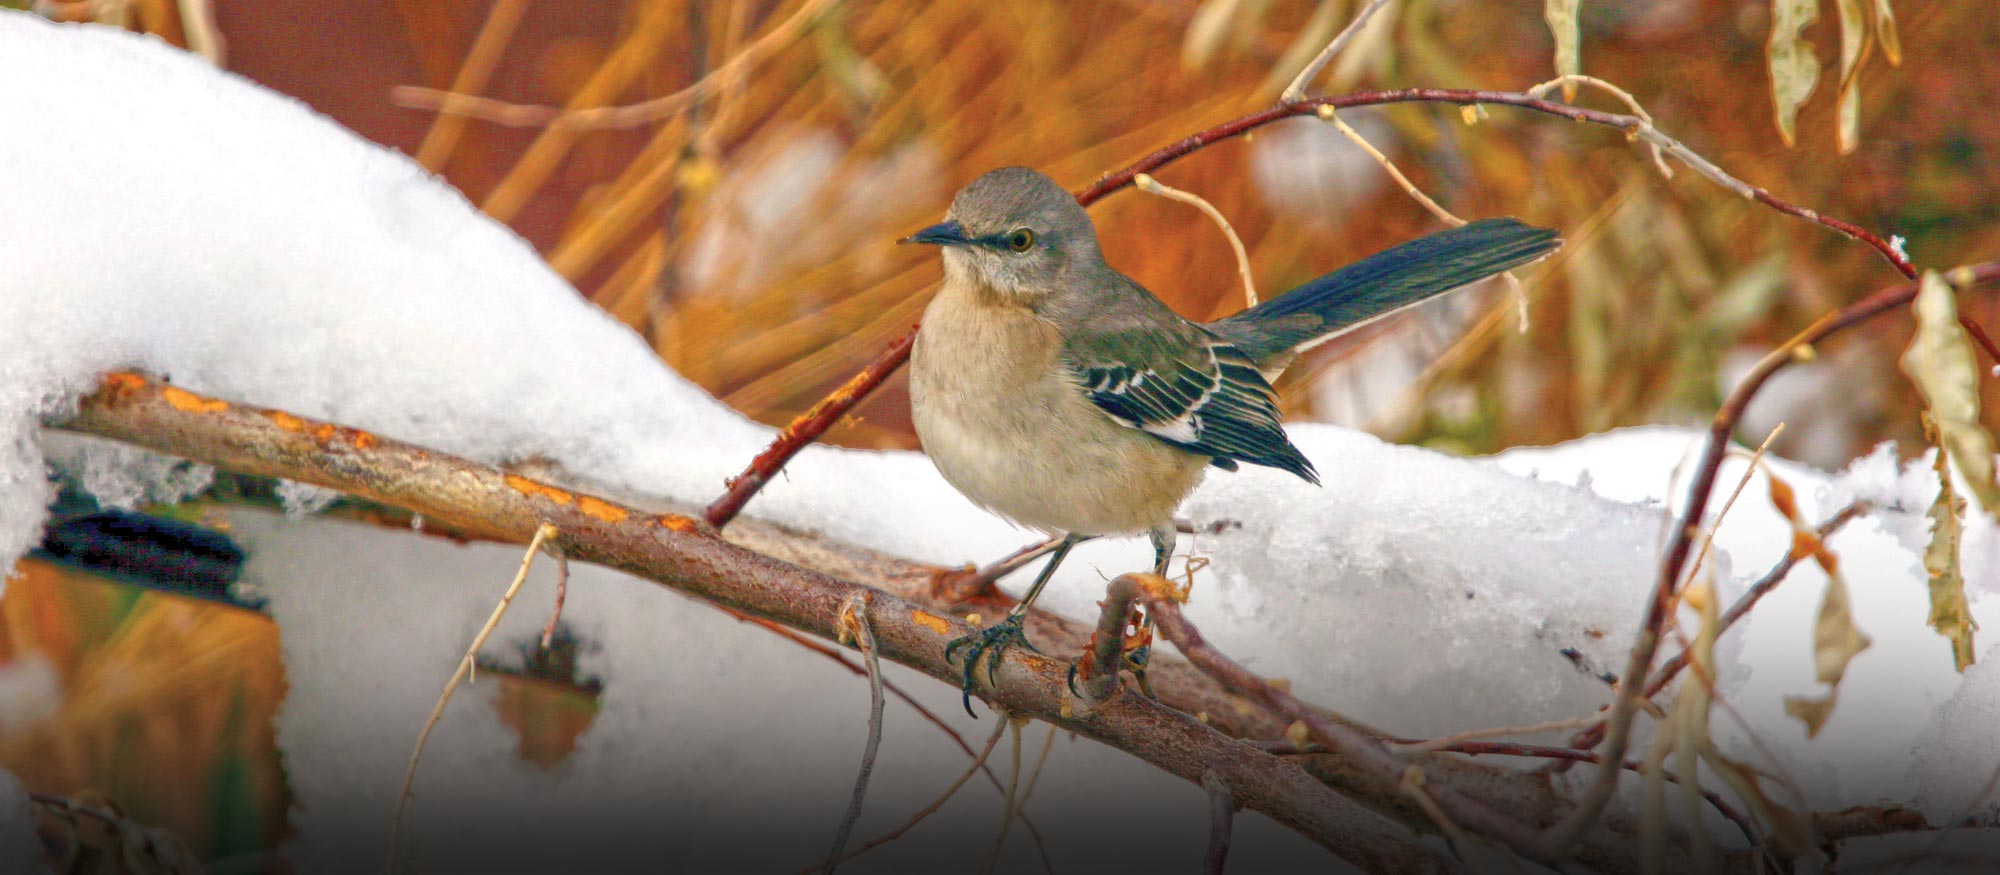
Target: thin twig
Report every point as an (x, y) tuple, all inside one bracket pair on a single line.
[(978, 762), (1221, 822), (562, 592), (1007, 806), (805, 429), (1027, 792), (501, 19), (1150, 185), (1776, 575), (543, 532), (1447, 741), (1297, 90), (961, 585), (516, 115), (1566, 833), (1097, 672), (1631, 103), (1363, 753), (1331, 116), (1412, 785), (1519, 749), (854, 613)]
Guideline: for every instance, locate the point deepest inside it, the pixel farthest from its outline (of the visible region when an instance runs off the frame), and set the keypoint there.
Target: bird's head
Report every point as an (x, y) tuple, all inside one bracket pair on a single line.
[(1013, 231)]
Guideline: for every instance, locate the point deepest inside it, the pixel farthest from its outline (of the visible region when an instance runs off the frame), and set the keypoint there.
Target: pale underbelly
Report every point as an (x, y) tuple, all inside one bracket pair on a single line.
[(1086, 475)]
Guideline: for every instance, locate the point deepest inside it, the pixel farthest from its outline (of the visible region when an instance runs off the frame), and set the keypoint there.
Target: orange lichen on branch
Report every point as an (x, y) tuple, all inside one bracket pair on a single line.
[(526, 486), (686, 525), (931, 621), (182, 399), (119, 384), (601, 509), (285, 420)]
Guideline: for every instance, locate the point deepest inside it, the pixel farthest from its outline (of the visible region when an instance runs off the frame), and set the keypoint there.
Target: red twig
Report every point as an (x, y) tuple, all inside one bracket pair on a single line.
[(1365, 754), (1564, 835), (806, 429), (555, 552), (1589, 738)]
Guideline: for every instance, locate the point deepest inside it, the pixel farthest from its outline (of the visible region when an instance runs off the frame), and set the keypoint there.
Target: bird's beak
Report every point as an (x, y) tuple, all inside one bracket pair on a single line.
[(940, 234)]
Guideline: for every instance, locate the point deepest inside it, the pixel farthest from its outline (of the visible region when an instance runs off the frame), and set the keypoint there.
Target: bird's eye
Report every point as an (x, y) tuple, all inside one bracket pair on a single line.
[(1021, 240)]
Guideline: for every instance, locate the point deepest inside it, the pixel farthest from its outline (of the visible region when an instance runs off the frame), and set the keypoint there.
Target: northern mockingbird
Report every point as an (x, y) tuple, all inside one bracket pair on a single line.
[(1056, 392)]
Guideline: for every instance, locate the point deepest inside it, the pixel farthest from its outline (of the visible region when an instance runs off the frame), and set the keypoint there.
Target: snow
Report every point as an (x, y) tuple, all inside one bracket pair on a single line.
[(165, 216)]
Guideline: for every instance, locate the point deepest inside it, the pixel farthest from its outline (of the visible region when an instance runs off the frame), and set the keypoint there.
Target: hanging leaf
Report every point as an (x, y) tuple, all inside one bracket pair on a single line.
[(1949, 613), (1790, 833), (1836, 639), (1319, 30), (1207, 30), (1941, 363), (1810, 711), (1885, 31), (1562, 19), (1794, 68), (1857, 41)]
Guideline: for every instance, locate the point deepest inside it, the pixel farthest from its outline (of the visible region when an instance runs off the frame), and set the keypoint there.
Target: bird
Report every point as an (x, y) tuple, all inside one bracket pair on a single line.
[(1061, 395)]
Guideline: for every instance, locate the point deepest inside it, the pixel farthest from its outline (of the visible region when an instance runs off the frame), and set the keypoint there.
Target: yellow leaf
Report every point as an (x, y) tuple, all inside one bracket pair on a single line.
[(1317, 32), (1941, 363), (1835, 641), (1949, 613), (1794, 69), (1211, 25), (1561, 16), (1813, 712), (1856, 41), (1835, 637), (1789, 832), (1885, 30)]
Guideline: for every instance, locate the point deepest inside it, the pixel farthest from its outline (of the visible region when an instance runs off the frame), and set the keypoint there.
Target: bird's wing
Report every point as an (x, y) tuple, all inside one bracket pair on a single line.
[(1197, 392)]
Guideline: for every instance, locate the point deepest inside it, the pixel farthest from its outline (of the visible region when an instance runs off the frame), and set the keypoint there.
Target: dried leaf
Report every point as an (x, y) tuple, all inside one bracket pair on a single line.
[(1319, 30), (1950, 614), (1691, 709), (1794, 68), (1941, 363), (1857, 40), (1789, 831), (1562, 19), (1885, 31), (1206, 32), (1835, 637), (1812, 712)]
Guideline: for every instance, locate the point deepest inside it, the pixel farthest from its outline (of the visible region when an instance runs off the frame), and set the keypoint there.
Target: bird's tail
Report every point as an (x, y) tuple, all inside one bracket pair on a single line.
[(1384, 283)]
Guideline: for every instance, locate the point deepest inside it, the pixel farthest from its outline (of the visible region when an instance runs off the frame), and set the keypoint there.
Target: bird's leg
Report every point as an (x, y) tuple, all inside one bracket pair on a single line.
[(1163, 547), (993, 641), (1163, 550)]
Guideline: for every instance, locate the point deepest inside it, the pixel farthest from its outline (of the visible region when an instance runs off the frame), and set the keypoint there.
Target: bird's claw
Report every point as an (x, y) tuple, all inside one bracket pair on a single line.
[(991, 642)]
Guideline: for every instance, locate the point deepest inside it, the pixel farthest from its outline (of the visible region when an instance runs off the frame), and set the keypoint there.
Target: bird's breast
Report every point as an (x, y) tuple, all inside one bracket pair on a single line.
[(1007, 425)]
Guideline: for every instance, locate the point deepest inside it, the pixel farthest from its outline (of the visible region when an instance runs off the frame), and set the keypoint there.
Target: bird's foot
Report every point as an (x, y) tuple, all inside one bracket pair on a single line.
[(992, 643), (1134, 659)]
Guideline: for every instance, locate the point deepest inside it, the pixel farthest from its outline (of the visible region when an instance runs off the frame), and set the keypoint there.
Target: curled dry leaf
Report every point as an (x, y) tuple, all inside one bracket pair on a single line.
[(1950, 615), (1941, 363), (1561, 16), (1794, 68), (1857, 40), (1836, 638)]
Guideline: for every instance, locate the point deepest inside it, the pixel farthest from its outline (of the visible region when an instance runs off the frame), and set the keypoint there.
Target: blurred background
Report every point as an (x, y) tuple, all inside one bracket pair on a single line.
[(742, 219)]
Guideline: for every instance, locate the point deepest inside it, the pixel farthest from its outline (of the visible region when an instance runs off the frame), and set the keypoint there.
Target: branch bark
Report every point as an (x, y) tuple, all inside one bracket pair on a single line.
[(788, 578)]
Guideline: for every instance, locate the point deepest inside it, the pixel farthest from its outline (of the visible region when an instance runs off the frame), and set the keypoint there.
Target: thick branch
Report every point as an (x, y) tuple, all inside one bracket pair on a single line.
[(687, 555)]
